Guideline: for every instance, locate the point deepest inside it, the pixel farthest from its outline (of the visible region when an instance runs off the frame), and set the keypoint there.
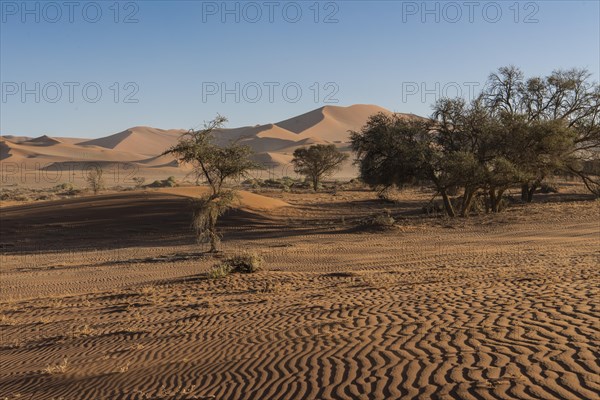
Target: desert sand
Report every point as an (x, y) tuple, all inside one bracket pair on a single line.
[(135, 152), (107, 297)]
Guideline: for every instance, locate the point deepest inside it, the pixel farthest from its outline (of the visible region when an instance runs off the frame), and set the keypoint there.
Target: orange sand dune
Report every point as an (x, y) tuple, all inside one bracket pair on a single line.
[(141, 146), (140, 140), (331, 123), (245, 200)]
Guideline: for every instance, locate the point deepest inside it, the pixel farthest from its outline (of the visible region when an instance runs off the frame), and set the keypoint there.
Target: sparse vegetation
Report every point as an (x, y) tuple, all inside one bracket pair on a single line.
[(138, 181), (244, 263), (318, 161), (205, 213), (57, 369), (169, 182), (219, 271), (213, 164), (94, 179), (381, 221), (23, 194)]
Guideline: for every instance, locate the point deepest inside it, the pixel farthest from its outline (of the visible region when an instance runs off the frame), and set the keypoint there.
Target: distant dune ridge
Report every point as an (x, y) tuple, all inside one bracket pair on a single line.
[(141, 146)]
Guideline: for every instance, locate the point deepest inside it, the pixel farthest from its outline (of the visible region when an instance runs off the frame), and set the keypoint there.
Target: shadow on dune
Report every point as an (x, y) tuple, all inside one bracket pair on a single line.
[(146, 219), (109, 221)]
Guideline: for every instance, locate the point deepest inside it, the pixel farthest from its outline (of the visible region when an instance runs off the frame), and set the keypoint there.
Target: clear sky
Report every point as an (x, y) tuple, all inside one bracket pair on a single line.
[(92, 68)]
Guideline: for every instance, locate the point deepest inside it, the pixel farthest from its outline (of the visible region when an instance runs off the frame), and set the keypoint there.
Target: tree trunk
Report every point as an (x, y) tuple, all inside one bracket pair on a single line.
[(531, 192), (448, 204), (493, 200), (214, 236), (525, 192), (315, 183), (499, 199), (466, 203)]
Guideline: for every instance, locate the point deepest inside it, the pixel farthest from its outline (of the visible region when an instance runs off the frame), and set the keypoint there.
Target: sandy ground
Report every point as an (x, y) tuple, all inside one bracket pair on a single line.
[(107, 298)]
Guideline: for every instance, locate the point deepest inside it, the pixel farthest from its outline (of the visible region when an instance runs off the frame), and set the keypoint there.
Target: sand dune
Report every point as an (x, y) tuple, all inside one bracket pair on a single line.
[(141, 146), (160, 161), (140, 140), (55, 150), (330, 123), (270, 158), (245, 200), (14, 138), (43, 141)]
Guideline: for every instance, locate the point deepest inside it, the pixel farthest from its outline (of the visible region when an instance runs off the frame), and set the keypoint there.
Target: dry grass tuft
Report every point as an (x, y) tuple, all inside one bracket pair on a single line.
[(57, 369)]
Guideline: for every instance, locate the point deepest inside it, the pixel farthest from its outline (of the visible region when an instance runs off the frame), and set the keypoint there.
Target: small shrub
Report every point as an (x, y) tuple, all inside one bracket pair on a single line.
[(57, 368), (138, 181), (273, 183), (95, 180), (254, 183), (245, 263), (383, 220), (169, 182), (380, 221), (433, 208), (219, 271), (125, 368), (81, 331), (64, 186)]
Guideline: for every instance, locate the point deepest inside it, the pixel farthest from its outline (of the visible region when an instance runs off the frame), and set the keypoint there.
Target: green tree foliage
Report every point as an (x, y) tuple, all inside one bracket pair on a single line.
[(568, 96), (466, 151), (318, 161)]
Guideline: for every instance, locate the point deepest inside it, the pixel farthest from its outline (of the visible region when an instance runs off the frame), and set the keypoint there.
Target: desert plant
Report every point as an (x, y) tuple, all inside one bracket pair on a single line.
[(213, 164), (381, 221), (169, 182), (569, 96), (219, 271), (384, 220), (205, 213), (244, 263), (57, 369), (317, 162), (138, 181), (94, 179)]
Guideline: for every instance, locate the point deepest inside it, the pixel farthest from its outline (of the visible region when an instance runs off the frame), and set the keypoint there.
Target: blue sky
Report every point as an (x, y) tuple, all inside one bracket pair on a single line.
[(166, 64)]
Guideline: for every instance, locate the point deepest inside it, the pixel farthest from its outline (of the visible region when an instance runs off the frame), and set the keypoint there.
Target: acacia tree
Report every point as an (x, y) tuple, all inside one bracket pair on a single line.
[(463, 150), (214, 165), (394, 151), (565, 95), (318, 161)]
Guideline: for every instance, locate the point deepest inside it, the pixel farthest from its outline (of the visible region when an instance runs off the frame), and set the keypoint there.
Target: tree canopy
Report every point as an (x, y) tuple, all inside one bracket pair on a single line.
[(213, 164), (517, 132), (317, 161)]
